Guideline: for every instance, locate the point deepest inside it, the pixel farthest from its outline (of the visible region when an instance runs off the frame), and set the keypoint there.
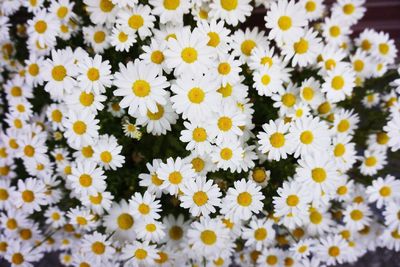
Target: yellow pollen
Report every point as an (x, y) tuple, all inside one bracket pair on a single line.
[(318, 175), (199, 134), (28, 196), (247, 46), (125, 221), (40, 26), (214, 39), (208, 237), (306, 137), (106, 6), (334, 31), (277, 140), (79, 127), (285, 23), (157, 57), (301, 46), (196, 95), (356, 215), (136, 22), (229, 5), (98, 248), (200, 198), (334, 251), (86, 99), (175, 177), (85, 180), (140, 254), (337, 83), (260, 234), (106, 156), (224, 124), (58, 73), (141, 88), (144, 208), (244, 199), (224, 68), (189, 55), (171, 4)]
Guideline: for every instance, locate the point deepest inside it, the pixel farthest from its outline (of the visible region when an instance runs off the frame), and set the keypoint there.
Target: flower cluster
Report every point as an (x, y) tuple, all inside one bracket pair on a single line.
[(161, 133)]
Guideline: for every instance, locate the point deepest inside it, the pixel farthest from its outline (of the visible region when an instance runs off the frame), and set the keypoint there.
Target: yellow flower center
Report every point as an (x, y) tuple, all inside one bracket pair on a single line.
[(175, 233), (157, 57), (62, 12), (33, 69), (214, 39), (87, 151), (141, 88), (79, 127), (310, 6), (385, 191), (260, 234), (135, 21), (337, 82), (382, 138), (155, 180), (285, 23), (93, 74), (225, 123), (29, 151), (140, 254), (125, 221), (348, 9), (98, 248), (196, 95), (339, 150), (224, 68), (343, 126), (265, 79), (226, 153), (16, 91), (208, 237), (272, 260), (199, 134), (301, 46), (86, 99), (334, 31), (189, 55), (259, 175), (106, 156), (200, 198), (292, 200), (247, 46), (315, 217), (244, 199), (58, 73), (358, 65), (3, 194), (106, 6), (277, 140), (17, 258), (229, 5), (289, 100), (99, 37), (171, 4), (28, 196), (334, 251), (318, 175), (356, 215), (342, 190), (40, 26), (85, 180), (11, 224), (96, 199), (144, 208), (198, 164), (175, 177), (306, 137)]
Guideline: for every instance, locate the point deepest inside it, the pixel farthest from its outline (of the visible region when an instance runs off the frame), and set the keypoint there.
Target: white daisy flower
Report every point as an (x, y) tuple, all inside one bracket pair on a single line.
[(259, 232), (383, 191)]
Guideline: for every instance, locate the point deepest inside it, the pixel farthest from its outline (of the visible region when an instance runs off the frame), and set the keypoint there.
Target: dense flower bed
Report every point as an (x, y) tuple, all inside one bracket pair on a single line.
[(160, 133)]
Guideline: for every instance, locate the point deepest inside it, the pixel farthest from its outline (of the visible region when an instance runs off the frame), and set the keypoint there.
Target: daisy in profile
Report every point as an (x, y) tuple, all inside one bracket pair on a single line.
[(372, 161), (87, 178), (94, 74), (286, 20), (30, 195), (231, 11), (273, 140), (318, 173), (195, 96), (81, 129), (170, 11), (200, 196), (259, 233), (139, 253), (121, 39), (197, 138), (332, 249), (208, 236), (145, 207), (138, 20), (107, 152), (384, 190), (241, 200), (97, 247), (357, 216), (59, 73), (141, 87), (121, 221), (174, 173), (101, 11), (189, 52), (292, 203), (310, 135)]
